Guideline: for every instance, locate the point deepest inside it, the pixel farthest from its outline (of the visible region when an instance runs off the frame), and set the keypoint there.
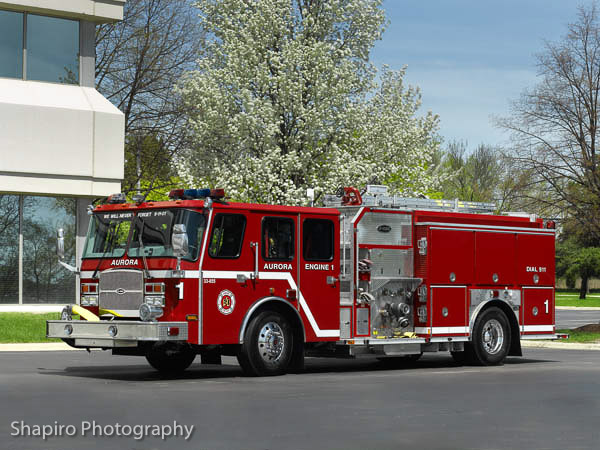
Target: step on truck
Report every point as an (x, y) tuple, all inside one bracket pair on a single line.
[(370, 275)]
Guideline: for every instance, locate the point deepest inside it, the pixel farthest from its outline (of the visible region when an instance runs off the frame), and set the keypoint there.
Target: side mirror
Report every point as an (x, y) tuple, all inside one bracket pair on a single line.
[(180, 240), (60, 244)]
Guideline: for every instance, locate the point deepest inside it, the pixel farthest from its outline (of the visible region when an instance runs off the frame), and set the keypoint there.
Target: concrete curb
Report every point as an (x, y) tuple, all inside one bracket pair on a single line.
[(37, 347), (559, 345), (578, 308)]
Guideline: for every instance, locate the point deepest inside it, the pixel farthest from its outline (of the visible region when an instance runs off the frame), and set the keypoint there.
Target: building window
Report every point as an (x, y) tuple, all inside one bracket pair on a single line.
[(9, 249), (39, 48), (28, 239), (11, 44), (44, 280), (52, 49)]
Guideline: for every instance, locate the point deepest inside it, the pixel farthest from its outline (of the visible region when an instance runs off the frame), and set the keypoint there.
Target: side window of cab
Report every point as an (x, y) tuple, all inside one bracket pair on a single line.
[(227, 236), (318, 239), (278, 239)]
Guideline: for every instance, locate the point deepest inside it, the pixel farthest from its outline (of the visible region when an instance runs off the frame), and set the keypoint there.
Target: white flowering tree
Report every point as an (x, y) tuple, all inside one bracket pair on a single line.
[(286, 99)]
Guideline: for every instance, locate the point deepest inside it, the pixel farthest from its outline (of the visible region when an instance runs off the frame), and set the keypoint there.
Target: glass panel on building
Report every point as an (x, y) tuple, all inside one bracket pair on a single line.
[(52, 49), (11, 44), (44, 280), (9, 249)]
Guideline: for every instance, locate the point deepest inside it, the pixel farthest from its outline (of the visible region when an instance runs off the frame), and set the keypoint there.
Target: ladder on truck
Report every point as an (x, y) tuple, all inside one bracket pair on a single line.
[(377, 195)]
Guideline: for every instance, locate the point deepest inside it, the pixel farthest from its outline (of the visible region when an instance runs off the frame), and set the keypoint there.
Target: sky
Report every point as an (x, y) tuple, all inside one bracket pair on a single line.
[(471, 57)]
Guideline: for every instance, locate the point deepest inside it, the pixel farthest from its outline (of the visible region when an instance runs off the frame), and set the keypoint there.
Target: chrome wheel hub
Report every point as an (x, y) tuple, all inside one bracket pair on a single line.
[(271, 342), (493, 336)]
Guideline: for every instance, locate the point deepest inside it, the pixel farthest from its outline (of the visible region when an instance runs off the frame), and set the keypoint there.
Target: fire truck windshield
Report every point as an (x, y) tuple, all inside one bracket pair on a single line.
[(144, 233)]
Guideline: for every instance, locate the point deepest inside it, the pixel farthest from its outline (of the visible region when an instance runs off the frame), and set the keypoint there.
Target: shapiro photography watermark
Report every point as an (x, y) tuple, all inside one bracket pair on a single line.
[(94, 429)]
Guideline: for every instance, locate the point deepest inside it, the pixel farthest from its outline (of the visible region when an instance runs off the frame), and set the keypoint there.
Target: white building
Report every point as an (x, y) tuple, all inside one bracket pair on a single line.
[(61, 142)]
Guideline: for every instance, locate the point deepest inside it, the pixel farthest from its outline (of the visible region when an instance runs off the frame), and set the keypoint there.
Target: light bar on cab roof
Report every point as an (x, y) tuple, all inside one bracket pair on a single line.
[(117, 198), (188, 194)]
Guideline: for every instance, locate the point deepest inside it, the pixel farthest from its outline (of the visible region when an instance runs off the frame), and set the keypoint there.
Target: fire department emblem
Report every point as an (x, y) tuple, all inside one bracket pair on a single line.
[(226, 302)]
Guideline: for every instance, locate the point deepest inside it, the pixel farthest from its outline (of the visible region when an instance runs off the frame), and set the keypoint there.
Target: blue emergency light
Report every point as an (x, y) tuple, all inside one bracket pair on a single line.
[(191, 194)]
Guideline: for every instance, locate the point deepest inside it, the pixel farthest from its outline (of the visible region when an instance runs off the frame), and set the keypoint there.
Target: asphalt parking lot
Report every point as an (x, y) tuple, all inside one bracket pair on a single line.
[(550, 399)]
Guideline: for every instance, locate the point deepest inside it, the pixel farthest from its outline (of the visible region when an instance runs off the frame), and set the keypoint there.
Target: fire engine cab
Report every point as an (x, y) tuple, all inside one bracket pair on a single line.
[(366, 275)]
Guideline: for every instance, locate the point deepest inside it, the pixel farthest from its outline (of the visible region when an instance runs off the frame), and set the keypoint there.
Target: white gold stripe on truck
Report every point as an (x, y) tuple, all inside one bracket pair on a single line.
[(441, 330), (490, 227), (537, 328), (286, 276)]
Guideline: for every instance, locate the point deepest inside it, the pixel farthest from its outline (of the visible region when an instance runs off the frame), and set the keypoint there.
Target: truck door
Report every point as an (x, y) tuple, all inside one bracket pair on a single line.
[(224, 299), (319, 295)]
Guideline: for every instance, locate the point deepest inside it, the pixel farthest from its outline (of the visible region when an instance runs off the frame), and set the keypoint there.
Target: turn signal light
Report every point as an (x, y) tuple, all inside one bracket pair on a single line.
[(89, 288), (173, 331), (155, 288)]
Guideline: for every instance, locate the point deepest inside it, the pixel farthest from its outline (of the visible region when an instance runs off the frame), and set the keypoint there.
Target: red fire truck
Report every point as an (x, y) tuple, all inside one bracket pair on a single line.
[(372, 275)]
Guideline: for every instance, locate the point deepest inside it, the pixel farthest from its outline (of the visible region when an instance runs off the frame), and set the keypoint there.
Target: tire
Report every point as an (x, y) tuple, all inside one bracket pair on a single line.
[(267, 347), (491, 338), (170, 358), (69, 342)]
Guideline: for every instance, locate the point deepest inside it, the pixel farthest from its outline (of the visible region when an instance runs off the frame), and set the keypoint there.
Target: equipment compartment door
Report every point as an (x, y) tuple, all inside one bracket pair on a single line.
[(451, 256), (319, 272), (449, 310), (537, 312)]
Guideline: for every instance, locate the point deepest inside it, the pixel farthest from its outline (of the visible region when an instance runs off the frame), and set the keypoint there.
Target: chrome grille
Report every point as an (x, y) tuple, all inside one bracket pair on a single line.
[(122, 290)]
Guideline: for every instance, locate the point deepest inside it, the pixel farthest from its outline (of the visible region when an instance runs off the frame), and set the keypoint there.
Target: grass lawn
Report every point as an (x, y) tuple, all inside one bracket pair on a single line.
[(23, 327), (572, 299), (580, 336)]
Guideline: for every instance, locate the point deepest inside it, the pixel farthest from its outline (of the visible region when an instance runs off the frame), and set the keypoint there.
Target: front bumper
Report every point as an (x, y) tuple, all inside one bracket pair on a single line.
[(115, 333)]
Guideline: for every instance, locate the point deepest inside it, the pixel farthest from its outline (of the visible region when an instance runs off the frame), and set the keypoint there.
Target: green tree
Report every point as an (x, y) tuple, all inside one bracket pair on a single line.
[(554, 126), (574, 262), (285, 98), (139, 61), (577, 255), (473, 176)]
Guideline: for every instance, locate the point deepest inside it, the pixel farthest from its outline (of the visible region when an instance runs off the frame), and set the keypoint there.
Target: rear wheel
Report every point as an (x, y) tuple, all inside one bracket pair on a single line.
[(491, 338), (170, 358), (267, 347)]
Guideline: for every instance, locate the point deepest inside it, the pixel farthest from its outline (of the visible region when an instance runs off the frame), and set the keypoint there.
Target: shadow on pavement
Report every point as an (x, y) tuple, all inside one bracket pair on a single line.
[(143, 372)]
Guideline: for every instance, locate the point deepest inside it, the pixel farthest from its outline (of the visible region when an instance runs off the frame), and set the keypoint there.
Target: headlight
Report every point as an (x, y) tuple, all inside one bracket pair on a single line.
[(89, 300), (155, 301)]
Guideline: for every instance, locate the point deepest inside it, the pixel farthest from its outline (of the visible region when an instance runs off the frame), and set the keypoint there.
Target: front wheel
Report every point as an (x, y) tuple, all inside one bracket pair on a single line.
[(267, 347), (491, 338), (170, 358)]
